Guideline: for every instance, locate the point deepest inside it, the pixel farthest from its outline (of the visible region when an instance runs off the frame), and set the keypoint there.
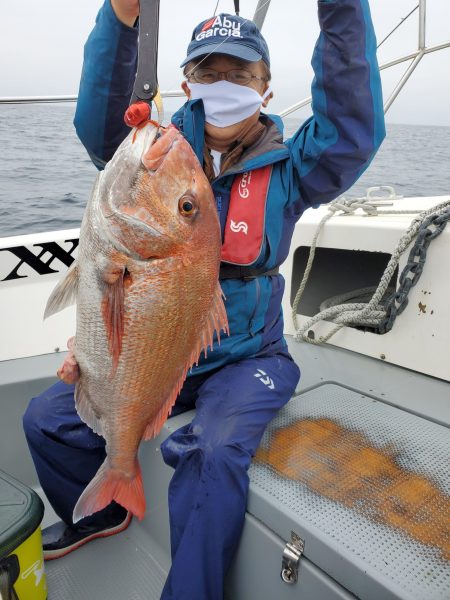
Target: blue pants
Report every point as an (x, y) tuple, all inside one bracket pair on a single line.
[(211, 457)]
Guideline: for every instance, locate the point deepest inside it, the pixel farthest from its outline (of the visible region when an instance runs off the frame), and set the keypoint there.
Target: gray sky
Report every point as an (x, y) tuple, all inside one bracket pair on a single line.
[(41, 49)]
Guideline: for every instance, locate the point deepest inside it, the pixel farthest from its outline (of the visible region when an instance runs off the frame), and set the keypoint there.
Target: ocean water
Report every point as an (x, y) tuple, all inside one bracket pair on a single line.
[(46, 175)]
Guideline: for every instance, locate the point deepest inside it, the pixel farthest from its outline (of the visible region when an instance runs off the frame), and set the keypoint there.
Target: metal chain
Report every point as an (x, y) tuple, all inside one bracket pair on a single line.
[(428, 224), (428, 231)]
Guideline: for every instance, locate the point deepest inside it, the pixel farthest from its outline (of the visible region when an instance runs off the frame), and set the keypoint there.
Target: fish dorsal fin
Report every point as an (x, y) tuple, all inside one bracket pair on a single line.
[(64, 294), (216, 322)]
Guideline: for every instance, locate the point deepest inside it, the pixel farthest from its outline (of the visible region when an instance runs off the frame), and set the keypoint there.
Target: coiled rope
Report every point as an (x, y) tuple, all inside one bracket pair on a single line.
[(371, 313)]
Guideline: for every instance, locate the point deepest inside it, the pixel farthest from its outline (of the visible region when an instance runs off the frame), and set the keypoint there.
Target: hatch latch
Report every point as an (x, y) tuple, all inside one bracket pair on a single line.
[(291, 558)]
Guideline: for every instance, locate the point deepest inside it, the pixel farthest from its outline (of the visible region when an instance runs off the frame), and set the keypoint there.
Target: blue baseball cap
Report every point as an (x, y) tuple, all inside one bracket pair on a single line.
[(228, 34)]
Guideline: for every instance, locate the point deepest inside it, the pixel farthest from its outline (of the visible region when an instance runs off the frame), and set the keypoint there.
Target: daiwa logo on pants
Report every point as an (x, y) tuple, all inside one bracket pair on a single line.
[(222, 27)]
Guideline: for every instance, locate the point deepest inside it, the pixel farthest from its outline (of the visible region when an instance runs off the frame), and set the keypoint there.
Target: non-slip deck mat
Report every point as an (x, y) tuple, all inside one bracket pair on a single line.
[(370, 478), (119, 567)]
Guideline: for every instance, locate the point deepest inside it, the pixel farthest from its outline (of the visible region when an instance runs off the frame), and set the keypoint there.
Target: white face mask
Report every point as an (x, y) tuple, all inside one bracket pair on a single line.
[(227, 103)]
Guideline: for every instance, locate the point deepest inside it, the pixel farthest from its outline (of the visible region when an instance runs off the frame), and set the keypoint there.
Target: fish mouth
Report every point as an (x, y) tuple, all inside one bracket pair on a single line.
[(161, 145)]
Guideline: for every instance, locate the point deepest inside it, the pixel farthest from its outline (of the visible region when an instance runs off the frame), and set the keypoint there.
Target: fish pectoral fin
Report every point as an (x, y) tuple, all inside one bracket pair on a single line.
[(64, 294), (85, 410), (113, 314)]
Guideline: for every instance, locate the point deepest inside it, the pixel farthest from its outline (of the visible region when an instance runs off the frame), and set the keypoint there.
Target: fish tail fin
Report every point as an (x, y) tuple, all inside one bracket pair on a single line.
[(108, 485)]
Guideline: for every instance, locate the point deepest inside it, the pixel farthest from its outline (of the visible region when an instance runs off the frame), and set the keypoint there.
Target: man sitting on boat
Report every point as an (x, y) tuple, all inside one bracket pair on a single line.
[(244, 382)]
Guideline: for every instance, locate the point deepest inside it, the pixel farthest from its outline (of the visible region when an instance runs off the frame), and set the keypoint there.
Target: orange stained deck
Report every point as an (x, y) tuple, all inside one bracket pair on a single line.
[(343, 465)]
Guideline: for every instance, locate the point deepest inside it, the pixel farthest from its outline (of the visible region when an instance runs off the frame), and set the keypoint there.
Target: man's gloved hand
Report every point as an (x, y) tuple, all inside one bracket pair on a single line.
[(69, 372), (126, 10)]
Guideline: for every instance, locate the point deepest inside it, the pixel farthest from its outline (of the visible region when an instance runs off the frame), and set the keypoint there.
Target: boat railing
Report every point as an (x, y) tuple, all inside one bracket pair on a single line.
[(67, 98), (415, 58), (260, 14)]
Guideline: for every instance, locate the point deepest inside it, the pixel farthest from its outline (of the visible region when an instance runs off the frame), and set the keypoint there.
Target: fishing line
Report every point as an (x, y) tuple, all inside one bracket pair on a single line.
[(225, 40), (397, 26), (215, 10)]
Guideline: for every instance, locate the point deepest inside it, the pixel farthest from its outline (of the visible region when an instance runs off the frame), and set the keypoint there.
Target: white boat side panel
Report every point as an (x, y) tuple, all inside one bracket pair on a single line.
[(24, 328), (420, 338), (30, 267)]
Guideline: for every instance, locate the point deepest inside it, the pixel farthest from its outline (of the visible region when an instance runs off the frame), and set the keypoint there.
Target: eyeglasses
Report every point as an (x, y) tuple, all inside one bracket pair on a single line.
[(239, 76)]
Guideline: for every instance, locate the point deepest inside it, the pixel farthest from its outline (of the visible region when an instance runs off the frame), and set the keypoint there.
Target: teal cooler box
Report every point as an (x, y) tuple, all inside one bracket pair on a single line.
[(22, 574)]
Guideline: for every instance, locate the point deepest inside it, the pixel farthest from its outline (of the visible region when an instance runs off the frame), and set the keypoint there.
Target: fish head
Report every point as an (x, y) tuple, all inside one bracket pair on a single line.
[(156, 200)]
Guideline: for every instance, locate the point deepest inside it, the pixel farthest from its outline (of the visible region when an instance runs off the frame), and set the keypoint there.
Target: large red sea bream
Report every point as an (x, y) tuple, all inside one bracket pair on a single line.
[(148, 301)]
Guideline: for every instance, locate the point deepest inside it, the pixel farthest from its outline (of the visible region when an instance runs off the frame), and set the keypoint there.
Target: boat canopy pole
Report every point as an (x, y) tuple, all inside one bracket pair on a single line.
[(260, 13), (422, 23), (146, 83), (421, 51), (415, 57)]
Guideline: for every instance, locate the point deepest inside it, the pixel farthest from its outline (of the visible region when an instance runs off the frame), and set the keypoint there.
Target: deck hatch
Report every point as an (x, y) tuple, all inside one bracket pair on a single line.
[(366, 479)]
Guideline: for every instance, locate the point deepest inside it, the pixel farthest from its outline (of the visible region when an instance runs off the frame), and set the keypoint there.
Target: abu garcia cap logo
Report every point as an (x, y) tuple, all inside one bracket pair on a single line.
[(222, 27)]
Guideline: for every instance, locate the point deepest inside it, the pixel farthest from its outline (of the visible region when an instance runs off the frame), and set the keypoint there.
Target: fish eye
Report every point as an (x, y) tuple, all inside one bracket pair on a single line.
[(186, 206)]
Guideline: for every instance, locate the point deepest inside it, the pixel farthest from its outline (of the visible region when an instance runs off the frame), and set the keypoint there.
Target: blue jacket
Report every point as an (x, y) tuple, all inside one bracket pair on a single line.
[(318, 163)]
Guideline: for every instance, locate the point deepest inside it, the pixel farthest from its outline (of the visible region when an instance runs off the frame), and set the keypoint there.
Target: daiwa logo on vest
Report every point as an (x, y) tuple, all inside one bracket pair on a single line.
[(222, 27)]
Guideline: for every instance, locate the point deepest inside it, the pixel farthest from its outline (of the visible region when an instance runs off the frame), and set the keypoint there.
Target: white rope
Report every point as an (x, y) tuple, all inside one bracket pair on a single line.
[(371, 313), (346, 207)]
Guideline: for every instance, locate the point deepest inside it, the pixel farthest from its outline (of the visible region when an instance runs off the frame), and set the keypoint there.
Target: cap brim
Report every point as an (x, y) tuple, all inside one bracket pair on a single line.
[(230, 48)]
